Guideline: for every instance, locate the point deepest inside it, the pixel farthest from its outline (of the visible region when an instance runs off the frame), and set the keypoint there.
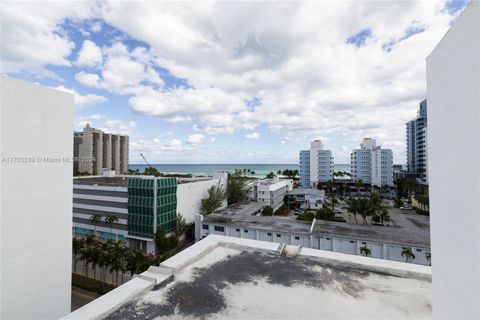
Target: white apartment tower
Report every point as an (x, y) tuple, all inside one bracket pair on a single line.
[(371, 164), (97, 151), (417, 144), (316, 164)]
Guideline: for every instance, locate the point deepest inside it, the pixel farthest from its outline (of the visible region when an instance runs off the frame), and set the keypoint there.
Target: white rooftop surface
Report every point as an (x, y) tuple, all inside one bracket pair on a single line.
[(223, 277)]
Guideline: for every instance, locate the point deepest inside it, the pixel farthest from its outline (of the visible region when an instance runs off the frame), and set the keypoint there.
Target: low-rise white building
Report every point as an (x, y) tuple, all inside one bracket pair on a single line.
[(241, 221), (270, 192), (307, 198)]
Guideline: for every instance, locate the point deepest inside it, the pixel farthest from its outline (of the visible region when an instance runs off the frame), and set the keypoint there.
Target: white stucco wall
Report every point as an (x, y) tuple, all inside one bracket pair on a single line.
[(36, 201), (453, 95), (189, 196)]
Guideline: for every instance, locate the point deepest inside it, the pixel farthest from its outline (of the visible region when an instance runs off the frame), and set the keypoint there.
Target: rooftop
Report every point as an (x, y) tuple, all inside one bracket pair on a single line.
[(408, 229), (307, 191), (222, 277), (122, 180)]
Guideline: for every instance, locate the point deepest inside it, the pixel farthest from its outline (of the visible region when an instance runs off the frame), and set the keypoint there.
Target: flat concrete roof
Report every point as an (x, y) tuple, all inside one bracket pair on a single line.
[(238, 210), (407, 231), (307, 191), (122, 180), (222, 277)]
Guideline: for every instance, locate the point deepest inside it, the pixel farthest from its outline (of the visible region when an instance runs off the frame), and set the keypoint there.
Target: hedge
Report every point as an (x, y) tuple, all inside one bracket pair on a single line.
[(422, 212), (90, 284)]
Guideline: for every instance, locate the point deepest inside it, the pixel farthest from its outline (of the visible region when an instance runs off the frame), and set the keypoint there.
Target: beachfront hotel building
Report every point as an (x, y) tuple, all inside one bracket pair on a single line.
[(95, 151), (316, 165), (36, 197), (141, 204), (417, 144), (371, 164)]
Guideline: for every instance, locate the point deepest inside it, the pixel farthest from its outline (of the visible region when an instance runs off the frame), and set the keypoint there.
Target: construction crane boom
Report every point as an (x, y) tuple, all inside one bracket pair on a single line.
[(145, 159)]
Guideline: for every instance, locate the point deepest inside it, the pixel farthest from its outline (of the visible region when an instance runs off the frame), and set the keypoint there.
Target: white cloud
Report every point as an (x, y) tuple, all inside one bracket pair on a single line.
[(116, 126), (253, 136), (89, 55), (83, 100), (96, 27), (291, 58), (87, 79), (80, 122), (196, 138), (32, 38)]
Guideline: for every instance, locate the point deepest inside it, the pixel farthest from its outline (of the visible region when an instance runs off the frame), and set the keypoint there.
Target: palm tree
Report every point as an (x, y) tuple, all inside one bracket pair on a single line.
[(364, 208), (110, 220), (77, 245), (352, 206), (364, 250), (95, 219), (407, 253), (279, 172)]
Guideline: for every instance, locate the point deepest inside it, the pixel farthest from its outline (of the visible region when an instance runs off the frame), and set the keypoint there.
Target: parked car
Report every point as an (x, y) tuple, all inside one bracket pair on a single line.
[(406, 208), (337, 213)]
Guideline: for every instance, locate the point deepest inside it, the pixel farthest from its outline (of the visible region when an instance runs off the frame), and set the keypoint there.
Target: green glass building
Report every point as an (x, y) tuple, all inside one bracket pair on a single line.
[(152, 206)]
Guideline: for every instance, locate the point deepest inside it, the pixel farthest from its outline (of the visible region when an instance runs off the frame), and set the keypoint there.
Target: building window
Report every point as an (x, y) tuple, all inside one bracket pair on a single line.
[(237, 230), (246, 231), (269, 233), (419, 250), (219, 229), (351, 241), (297, 238), (205, 226), (279, 235), (328, 238), (364, 243)]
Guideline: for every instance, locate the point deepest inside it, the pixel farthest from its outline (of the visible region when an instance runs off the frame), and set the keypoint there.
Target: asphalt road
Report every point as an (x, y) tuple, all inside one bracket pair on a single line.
[(81, 297)]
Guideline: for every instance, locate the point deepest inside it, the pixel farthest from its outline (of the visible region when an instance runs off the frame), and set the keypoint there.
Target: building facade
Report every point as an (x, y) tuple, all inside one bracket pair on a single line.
[(36, 196), (371, 164), (316, 165), (95, 151), (140, 205), (417, 144), (271, 192), (453, 79)]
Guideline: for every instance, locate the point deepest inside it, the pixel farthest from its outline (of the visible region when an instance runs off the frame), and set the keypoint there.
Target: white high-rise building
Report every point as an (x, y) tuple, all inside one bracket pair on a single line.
[(371, 164), (96, 151), (316, 164), (417, 144), (36, 201)]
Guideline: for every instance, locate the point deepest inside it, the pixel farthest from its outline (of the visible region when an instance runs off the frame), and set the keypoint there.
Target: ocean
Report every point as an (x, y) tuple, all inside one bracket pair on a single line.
[(261, 170)]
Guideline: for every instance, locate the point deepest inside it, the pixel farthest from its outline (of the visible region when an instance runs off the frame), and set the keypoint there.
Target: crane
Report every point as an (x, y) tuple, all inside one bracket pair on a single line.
[(145, 159)]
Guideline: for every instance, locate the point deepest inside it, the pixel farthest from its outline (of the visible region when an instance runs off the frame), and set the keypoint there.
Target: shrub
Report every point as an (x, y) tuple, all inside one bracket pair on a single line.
[(90, 284), (267, 211), (308, 216), (376, 219), (325, 214), (282, 211)]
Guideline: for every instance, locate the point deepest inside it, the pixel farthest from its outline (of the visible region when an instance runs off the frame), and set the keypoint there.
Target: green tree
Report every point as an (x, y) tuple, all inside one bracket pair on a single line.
[(325, 213), (270, 175), (165, 243), (352, 207), (267, 211), (408, 254), (77, 245), (151, 171), (307, 216), (180, 225), (215, 199), (364, 250), (95, 219), (236, 191)]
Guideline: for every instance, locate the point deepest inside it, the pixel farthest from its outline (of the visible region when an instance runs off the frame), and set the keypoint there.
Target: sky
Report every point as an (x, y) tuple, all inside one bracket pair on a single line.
[(232, 82)]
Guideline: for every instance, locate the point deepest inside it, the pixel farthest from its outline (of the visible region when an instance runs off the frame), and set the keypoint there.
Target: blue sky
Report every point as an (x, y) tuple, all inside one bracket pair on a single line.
[(232, 82)]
